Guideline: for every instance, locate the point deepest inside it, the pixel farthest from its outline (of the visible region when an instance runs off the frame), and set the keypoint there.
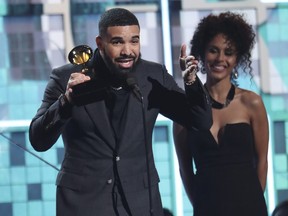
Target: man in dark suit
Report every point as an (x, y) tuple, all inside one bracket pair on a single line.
[(106, 121)]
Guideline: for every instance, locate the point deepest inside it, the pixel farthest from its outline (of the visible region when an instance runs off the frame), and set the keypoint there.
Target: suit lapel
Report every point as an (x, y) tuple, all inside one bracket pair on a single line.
[(98, 114)]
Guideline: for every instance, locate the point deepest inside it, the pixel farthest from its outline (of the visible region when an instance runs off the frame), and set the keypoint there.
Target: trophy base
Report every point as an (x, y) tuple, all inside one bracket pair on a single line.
[(89, 92)]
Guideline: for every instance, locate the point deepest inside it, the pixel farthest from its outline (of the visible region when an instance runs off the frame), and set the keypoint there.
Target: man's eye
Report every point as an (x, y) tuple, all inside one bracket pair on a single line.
[(116, 42)]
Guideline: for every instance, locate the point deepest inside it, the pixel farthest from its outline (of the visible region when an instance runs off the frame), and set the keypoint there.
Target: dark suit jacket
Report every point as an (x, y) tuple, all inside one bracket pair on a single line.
[(86, 178)]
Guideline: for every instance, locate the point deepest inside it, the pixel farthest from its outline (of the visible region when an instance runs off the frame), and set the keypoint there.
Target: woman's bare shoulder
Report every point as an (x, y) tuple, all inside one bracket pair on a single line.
[(250, 98)]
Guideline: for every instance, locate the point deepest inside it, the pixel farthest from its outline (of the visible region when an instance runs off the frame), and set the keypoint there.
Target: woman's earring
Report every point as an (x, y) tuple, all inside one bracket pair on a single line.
[(235, 74), (203, 71)]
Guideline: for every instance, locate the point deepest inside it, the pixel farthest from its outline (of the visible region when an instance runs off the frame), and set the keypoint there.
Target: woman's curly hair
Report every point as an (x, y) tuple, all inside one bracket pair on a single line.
[(234, 27)]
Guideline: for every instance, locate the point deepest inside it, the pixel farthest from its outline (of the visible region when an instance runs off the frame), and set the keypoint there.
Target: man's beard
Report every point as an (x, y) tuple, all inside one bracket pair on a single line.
[(117, 71), (118, 75)]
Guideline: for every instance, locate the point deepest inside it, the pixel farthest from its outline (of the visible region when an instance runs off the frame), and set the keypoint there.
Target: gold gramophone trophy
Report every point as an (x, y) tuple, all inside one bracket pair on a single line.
[(80, 55), (92, 90)]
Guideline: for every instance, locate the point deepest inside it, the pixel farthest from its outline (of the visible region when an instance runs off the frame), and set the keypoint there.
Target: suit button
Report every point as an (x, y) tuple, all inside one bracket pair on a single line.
[(109, 181), (117, 158)]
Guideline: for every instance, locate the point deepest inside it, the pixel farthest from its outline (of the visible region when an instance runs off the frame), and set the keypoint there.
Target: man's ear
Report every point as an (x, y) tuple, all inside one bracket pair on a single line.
[(99, 42)]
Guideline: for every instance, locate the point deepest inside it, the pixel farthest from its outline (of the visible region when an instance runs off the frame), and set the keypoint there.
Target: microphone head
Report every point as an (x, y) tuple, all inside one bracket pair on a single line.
[(132, 84), (131, 81)]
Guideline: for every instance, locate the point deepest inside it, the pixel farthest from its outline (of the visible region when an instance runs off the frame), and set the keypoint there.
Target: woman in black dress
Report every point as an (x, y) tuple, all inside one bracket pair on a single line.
[(230, 158)]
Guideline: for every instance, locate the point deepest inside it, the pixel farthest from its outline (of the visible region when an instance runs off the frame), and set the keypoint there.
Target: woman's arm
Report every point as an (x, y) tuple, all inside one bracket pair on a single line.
[(260, 127), (184, 158)]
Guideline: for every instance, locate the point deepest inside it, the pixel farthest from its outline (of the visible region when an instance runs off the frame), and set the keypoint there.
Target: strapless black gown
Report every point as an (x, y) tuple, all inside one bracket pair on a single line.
[(226, 182)]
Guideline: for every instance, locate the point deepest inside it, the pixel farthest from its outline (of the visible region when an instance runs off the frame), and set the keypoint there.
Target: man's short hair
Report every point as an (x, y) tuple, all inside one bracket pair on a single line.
[(116, 17)]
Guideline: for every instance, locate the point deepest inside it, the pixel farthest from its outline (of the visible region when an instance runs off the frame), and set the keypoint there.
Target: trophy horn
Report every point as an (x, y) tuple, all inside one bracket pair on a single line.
[(80, 55)]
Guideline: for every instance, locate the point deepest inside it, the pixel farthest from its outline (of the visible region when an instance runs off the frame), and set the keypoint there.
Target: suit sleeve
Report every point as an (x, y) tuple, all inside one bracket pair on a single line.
[(199, 104), (49, 121), (192, 110)]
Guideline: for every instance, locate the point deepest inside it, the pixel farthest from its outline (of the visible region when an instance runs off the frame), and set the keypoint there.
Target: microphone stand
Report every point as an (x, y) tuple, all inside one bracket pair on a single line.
[(147, 158), (132, 82), (30, 152)]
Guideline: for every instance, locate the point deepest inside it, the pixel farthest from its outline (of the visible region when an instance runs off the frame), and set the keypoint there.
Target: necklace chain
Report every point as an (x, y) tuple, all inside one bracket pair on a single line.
[(117, 88), (215, 104)]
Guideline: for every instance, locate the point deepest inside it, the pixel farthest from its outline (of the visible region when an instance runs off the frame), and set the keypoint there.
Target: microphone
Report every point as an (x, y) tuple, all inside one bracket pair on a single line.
[(132, 83)]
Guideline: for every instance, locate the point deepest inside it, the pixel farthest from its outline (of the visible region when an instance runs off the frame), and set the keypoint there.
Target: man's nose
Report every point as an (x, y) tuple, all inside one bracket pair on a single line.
[(126, 50)]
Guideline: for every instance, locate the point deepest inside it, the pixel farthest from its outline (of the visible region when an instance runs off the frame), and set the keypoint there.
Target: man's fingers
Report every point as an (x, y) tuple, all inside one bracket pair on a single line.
[(182, 57), (77, 78), (186, 61), (189, 75), (183, 51)]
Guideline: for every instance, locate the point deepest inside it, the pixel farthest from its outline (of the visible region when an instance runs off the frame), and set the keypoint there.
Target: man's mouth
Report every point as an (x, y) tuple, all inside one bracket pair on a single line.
[(125, 63)]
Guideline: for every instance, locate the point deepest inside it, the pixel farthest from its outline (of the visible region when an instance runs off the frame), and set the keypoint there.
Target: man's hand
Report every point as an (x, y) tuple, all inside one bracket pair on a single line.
[(75, 79), (188, 65)]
